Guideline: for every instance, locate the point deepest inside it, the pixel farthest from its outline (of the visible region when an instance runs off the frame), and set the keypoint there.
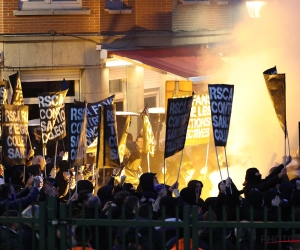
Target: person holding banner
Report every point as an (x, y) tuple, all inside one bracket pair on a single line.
[(253, 179)]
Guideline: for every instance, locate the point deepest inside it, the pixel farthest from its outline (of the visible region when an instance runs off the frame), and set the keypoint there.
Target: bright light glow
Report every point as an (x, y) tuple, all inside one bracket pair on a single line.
[(254, 8), (117, 63)]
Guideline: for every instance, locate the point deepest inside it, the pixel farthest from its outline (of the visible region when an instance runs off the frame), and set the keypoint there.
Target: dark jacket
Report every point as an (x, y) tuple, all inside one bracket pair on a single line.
[(25, 201), (9, 238)]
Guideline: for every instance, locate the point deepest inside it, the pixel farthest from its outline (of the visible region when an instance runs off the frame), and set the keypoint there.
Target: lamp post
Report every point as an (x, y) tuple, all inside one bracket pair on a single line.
[(255, 7)]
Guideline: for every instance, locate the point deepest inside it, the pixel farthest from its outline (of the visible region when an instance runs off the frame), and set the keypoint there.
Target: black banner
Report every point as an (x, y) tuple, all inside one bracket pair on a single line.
[(17, 96), (3, 99), (51, 105), (221, 97), (178, 115), (92, 113), (14, 134), (3, 92), (75, 129), (108, 153)]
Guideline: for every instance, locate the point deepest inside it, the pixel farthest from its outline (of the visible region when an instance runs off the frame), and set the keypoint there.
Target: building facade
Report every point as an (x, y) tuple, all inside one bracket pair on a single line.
[(80, 41)]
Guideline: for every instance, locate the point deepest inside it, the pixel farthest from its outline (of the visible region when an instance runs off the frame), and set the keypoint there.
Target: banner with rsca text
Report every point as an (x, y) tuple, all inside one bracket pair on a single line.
[(14, 134), (178, 114), (221, 97)]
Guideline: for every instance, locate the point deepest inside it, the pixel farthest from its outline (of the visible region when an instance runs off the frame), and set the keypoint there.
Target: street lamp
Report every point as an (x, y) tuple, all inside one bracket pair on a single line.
[(254, 8)]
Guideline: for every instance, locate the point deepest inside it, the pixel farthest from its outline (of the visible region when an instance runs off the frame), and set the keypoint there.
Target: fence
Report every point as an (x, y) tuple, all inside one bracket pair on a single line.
[(54, 218)]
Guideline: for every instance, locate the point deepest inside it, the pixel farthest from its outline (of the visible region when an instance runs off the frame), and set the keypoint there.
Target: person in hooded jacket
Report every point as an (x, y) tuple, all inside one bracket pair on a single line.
[(146, 187), (62, 179), (253, 179)]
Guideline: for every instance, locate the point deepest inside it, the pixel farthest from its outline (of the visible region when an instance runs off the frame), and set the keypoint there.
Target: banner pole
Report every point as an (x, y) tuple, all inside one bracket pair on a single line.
[(76, 179), (219, 165), (288, 139), (28, 138), (227, 168), (206, 160), (148, 161), (24, 176), (44, 158), (164, 172), (3, 174), (55, 154), (179, 165)]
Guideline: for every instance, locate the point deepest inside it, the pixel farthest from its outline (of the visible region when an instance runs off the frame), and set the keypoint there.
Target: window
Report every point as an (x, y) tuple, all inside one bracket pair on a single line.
[(151, 97), (49, 4), (114, 4), (32, 89)]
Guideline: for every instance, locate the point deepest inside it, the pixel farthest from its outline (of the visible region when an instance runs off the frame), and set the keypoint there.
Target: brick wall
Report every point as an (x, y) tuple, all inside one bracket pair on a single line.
[(43, 24), (117, 23), (146, 15), (201, 17), (154, 14)]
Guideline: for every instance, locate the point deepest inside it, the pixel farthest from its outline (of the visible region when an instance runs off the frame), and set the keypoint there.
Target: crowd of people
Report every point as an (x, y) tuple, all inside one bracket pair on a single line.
[(136, 190)]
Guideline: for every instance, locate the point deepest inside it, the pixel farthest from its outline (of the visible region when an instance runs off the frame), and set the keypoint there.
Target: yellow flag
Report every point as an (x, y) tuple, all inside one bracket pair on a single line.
[(149, 140), (122, 142), (276, 87)]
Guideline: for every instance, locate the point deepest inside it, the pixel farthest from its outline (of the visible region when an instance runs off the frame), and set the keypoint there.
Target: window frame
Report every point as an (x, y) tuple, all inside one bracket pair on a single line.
[(50, 5)]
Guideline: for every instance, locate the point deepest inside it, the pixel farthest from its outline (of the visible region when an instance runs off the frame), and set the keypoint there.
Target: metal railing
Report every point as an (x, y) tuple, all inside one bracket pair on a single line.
[(54, 218)]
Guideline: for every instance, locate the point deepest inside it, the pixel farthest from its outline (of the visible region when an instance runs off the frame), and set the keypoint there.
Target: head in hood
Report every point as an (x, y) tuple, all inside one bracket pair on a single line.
[(252, 175), (188, 195), (105, 194), (196, 185), (84, 185), (147, 181)]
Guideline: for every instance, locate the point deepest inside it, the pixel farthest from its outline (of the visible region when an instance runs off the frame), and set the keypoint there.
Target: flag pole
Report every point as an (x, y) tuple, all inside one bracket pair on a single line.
[(206, 160), (55, 154), (227, 168), (179, 165), (76, 179), (164, 172), (219, 165), (148, 160)]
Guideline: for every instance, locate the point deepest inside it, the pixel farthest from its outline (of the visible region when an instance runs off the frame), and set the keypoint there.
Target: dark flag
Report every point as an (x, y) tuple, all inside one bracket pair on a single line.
[(92, 113), (52, 115), (3, 92), (108, 153), (177, 121), (276, 87), (14, 134), (3, 98), (17, 95), (77, 134), (221, 97)]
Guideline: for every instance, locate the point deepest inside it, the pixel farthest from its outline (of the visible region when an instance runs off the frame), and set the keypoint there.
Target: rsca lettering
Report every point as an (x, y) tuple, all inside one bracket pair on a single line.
[(221, 93), (179, 108), (50, 101)]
